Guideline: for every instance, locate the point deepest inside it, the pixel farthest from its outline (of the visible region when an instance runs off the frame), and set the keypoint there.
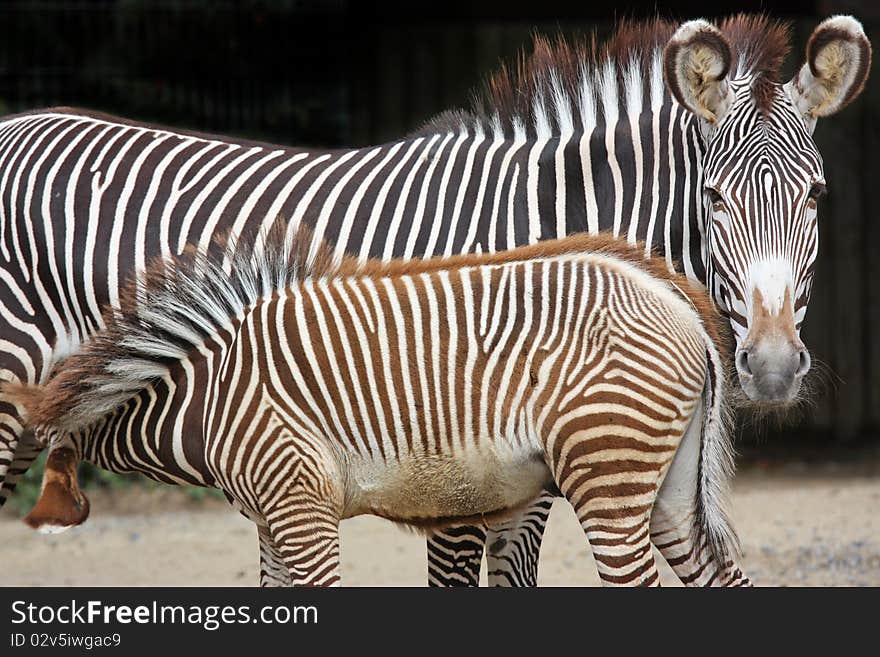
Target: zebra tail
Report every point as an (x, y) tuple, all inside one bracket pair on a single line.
[(716, 461)]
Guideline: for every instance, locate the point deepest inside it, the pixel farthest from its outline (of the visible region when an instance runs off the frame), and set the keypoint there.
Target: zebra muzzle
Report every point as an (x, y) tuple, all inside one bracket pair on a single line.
[(772, 370), (773, 360)]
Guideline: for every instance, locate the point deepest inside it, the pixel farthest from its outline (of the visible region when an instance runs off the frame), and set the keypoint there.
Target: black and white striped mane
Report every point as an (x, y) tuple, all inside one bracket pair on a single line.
[(562, 86)]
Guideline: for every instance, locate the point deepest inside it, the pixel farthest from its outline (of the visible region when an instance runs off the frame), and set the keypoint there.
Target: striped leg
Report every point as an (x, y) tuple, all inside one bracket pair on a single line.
[(273, 571), (301, 502), (305, 531), (691, 559), (512, 548), (18, 447), (454, 556), (621, 548), (614, 510), (673, 518), (11, 433), (25, 451)]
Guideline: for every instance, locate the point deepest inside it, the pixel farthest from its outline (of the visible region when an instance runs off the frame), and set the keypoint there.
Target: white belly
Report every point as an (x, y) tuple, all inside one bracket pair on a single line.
[(425, 487)]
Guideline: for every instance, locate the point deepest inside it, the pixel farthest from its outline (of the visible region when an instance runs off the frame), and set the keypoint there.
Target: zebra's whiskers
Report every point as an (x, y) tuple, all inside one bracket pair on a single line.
[(760, 418)]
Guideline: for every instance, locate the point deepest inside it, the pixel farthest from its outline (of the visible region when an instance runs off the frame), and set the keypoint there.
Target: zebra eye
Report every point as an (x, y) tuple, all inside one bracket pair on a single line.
[(715, 199), (817, 191)]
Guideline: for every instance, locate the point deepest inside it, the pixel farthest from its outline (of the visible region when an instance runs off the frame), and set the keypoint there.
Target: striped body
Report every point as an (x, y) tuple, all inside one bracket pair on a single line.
[(439, 395)]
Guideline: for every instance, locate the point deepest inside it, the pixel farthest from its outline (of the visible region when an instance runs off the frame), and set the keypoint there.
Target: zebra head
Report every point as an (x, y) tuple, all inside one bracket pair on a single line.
[(762, 177)]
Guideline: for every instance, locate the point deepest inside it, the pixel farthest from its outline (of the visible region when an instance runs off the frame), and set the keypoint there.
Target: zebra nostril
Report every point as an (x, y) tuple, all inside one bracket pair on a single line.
[(742, 362), (803, 362)]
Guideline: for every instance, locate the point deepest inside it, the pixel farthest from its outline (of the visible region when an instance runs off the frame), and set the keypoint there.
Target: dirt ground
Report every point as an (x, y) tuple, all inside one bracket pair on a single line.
[(801, 525)]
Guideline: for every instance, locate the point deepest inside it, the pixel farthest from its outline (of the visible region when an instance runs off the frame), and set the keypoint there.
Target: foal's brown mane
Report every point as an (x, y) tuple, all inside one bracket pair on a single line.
[(759, 43), (599, 243), (194, 284)]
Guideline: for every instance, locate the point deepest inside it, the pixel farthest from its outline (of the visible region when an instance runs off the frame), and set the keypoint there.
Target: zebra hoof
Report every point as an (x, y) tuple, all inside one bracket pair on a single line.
[(62, 504), (57, 510)]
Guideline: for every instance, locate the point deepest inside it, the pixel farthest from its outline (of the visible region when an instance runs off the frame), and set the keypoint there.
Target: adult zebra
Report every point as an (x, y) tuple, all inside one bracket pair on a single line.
[(591, 137)]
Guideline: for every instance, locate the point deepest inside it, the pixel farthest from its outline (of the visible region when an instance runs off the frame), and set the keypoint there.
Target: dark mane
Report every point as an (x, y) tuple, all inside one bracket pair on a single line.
[(552, 83)]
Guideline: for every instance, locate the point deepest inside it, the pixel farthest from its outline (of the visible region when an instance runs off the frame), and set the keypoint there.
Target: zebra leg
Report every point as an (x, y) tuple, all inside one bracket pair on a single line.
[(305, 532), (512, 548), (454, 556), (19, 448), (273, 570), (673, 521), (301, 500), (688, 553), (24, 450), (614, 513), (622, 549)]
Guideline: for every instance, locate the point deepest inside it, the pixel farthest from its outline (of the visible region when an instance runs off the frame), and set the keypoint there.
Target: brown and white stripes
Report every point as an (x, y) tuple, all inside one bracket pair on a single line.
[(426, 392), (680, 136)]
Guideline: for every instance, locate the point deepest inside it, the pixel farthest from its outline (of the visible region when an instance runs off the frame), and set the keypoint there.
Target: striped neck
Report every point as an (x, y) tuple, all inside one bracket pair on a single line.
[(638, 178)]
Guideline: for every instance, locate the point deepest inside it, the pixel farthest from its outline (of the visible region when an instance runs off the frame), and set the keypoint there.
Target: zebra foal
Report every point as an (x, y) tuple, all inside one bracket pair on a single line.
[(425, 392)]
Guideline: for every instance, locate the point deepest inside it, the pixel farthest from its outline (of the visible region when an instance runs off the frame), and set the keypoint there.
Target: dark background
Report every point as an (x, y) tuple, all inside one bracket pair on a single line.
[(345, 73)]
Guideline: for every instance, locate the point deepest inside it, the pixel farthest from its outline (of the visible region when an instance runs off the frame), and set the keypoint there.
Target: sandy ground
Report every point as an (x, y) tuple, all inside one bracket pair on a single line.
[(800, 525)]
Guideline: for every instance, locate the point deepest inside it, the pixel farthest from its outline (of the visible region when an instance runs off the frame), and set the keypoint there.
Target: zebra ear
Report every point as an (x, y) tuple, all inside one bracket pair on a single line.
[(695, 63), (838, 60)]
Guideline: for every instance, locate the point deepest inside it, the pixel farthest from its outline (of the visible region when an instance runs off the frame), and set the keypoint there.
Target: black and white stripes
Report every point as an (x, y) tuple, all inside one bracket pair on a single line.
[(578, 140)]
